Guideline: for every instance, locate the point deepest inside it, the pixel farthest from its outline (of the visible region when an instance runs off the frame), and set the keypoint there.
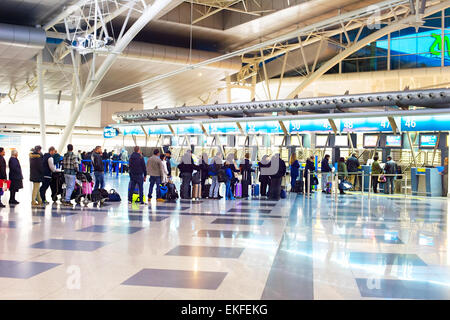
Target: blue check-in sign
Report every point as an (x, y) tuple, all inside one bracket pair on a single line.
[(109, 132)]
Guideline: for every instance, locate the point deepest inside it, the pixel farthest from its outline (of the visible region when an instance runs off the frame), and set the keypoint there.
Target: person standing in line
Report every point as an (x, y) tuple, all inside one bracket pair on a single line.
[(246, 171), (390, 169), (154, 169), (326, 171), (264, 176), (230, 175), (2, 172), (169, 165), (165, 173), (213, 169), (376, 171), (203, 171), (15, 176), (278, 169), (234, 170), (352, 168), (70, 167), (444, 174), (342, 172), (36, 174), (49, 168), (295, 168), (138, 173), (124, 157), (309, 171), (186, 167), (99, 168)]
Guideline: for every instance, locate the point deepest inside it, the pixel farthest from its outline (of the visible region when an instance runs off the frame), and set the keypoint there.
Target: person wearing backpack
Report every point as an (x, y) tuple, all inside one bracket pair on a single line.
[(246, 170), (390, 169), (278, 167), (352, 168), (213, 170), (376, 172)]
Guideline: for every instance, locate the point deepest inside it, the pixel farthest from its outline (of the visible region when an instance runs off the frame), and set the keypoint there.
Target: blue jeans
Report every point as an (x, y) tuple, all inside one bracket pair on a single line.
[(153, 181), (229, 193), (293, 180), (214, 189), (99, 180), (70, 185), (389, 185), (132, 185)]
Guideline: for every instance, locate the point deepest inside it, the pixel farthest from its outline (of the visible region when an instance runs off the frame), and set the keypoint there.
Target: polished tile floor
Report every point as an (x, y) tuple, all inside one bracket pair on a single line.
[(317, 247)]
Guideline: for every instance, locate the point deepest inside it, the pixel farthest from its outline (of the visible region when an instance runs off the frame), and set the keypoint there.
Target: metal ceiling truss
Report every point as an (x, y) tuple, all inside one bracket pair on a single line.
[(319, 28), (208, 8), (432, 98), (119, 44), (388, 15)]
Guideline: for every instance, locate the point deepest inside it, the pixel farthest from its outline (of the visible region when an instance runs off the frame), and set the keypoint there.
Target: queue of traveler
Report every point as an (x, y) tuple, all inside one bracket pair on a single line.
[(85, 159), (347, 172), (194, 177)]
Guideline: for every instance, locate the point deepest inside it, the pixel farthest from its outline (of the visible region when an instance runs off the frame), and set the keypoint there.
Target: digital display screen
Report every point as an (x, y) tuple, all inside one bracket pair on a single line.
[(295, 140), (425, 240), (321, 141), (341, 141), (391, 235), (240, 140), (223, 140), (167, 141), (370, 141), (193, 140), (393, 141), (428, 140), (278, 140)]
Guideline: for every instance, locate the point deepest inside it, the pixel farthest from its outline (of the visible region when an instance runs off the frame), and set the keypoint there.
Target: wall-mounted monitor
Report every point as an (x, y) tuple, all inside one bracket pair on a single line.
[(223, 140), (295, 140), (167, 141), (393, 141), (427, 140), (278, 140), (321, 141), (193, 140), (370, 141), (240, 140), (341, 141)]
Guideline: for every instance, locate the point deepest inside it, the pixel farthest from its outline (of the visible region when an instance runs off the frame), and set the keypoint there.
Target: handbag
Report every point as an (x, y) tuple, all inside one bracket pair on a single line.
[(381, 178), (5, 184), (314, 181), (113, 196)]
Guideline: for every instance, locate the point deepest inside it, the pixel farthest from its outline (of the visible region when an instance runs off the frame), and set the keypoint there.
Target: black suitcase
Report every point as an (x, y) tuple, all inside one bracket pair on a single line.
[(298, 187)]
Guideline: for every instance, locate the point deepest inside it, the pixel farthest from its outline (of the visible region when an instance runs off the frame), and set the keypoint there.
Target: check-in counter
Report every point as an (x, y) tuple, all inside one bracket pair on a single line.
[(426, 181)]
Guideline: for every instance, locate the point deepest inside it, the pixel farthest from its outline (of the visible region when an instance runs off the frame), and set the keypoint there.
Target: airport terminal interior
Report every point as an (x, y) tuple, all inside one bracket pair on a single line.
[(286, 149)]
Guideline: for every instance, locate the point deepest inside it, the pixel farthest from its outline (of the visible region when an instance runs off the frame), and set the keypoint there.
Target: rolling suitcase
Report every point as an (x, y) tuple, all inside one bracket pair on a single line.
[(298, 187), (255, 190), (238, 190), (328, 188), (196, 191)]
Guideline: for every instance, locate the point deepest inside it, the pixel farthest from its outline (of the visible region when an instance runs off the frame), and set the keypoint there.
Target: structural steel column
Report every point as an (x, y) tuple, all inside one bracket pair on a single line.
[(40, 79), (147, 15)]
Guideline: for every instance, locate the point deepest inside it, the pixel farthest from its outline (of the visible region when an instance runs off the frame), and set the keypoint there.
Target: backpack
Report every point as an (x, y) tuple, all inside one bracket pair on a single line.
[(212, 169), (222, 175), (163, 189), (172, 193), (197, 178), (399, 172), (113, 196)]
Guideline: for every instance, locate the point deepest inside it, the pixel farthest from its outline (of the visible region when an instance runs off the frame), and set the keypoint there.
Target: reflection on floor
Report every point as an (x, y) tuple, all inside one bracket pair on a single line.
[(322, 247)]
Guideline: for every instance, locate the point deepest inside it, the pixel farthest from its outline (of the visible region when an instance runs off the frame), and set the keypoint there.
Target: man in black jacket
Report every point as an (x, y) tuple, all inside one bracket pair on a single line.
[(36, 174), (2, 172), (246, 170), (49, 168), (169, 165), (352, 169), (275, 180), (99, 169), (138, 173)]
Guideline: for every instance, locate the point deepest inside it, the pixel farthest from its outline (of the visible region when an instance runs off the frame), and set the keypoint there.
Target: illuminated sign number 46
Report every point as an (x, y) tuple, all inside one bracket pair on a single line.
[(410, 123)]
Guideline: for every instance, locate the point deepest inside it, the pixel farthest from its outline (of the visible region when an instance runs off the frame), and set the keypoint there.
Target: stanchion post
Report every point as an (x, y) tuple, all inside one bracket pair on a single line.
[(370, 184), (308, 178)]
